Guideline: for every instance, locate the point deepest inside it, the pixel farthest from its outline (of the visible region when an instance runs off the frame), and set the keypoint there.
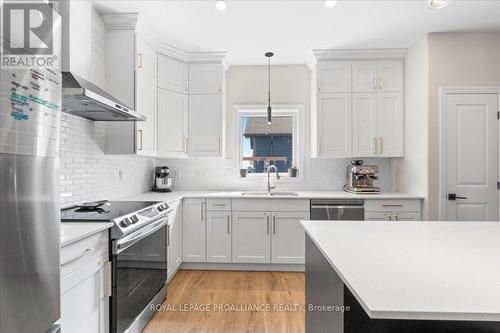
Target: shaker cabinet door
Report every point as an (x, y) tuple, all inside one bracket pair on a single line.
[(334, 125), (205, 126)]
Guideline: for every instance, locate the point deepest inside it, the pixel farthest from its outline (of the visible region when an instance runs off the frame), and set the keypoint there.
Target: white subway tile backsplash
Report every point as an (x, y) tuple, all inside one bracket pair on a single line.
[(88, 174)]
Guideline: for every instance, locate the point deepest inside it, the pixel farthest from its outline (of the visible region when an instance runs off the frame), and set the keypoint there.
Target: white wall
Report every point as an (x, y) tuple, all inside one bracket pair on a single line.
[(410, 174), (456, 60), (248, 85)]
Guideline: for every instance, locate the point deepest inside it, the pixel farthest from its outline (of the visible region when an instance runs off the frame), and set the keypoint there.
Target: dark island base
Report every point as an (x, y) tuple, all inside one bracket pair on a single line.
[(324, 287)]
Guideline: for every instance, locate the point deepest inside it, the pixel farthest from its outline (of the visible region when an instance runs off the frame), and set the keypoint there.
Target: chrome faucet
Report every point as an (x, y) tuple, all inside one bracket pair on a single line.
[(269, 187)]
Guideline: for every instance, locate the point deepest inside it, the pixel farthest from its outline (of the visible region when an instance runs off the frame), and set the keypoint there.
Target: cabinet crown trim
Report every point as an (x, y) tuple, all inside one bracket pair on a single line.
[(126, 21), (360, 54)]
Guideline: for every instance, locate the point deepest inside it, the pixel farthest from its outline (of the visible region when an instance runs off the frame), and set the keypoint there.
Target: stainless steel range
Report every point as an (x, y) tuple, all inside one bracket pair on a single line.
[(138, 250)]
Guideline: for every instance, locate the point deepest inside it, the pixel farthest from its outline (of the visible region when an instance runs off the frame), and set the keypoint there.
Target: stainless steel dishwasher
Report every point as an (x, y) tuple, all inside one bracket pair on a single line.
[(337, 209)]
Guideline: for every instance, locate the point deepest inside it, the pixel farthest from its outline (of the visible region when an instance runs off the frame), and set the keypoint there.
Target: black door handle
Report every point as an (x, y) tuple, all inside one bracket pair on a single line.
[(453, 197)]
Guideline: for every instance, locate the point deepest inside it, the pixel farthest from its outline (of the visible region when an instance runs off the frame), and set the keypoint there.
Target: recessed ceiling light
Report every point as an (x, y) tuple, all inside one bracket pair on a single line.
[(220, 4), (330, 3), (436, 4)]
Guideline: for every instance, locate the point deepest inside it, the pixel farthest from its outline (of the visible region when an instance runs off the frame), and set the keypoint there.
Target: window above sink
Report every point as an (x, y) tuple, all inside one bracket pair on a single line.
[(260, 144)]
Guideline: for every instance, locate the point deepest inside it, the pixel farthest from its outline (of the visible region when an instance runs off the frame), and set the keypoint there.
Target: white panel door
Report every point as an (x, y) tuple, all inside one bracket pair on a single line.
[(334, 76), (364, 76), (390, 76), (146, 105), (334, 125), (364, 124), (172, 74), (219, 237), (206, 78), (172, 124), (193, 230), (471, 157), (288, 238), (390, 124), (205, 126), (251, 237)]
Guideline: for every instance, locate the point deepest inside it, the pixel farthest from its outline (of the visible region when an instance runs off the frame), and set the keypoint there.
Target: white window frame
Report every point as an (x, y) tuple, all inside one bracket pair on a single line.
[(295, 111)]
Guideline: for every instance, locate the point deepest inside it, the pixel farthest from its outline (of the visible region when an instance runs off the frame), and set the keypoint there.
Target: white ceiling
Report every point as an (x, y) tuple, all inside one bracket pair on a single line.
[(291, 29)]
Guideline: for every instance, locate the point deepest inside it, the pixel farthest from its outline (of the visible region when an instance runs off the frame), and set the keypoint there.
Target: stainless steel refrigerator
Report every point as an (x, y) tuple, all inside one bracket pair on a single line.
[(30, 107)]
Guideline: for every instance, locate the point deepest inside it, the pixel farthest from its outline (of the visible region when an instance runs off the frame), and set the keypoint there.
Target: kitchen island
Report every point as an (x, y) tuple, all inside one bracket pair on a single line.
[(402, 277)]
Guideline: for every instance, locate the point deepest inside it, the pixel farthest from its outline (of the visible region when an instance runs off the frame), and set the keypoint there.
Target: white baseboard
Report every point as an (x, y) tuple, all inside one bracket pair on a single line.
[(243, 267)]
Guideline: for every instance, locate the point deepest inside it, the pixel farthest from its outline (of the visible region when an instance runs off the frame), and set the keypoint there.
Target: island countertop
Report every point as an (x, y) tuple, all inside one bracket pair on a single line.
[(416, 270)]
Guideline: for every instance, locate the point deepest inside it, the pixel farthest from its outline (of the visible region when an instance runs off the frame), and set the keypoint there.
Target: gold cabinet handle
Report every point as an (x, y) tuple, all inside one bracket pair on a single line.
[(109, 280), (375, 145), (140, 140), (140, 61), (381, 145), (374, 84), (396, 217), (380, 82)]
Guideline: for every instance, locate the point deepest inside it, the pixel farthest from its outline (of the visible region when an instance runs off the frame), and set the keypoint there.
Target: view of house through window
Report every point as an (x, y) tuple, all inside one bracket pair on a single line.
[(266, 144)]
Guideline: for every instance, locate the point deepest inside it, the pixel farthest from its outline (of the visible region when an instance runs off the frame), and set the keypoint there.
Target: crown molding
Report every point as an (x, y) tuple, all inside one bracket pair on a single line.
[(359, 54), (192, 57), (122, 21)]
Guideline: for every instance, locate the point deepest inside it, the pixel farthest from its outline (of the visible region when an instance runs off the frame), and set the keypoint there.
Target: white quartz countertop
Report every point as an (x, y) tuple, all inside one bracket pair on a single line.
[(74, 231), (416, 270), (171, 197)]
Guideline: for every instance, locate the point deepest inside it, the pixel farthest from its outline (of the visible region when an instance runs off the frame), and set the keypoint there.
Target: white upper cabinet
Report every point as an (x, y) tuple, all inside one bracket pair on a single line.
[(390, 76), (334, 125), (172, 74), (364, 77), (334, 76), (368, 76), (205, 126), (172, 123), (358, 109), (146, 61), (146, 98), (390, 124), (206, 79), (364, 122)]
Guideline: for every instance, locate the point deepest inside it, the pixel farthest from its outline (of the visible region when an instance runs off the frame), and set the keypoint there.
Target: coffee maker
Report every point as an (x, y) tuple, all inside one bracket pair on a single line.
[(162, 180), (360, 178)]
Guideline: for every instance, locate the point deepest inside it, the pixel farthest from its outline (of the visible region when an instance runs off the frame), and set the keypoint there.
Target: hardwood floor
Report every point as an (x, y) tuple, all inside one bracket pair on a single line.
[(253, 296)]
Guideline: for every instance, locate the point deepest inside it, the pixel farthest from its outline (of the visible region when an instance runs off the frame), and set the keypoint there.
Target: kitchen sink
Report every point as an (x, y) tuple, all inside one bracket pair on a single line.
[(272, 194)]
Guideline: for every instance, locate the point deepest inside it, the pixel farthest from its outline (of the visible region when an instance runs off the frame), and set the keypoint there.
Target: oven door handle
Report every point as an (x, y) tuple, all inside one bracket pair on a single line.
[(124, 244)]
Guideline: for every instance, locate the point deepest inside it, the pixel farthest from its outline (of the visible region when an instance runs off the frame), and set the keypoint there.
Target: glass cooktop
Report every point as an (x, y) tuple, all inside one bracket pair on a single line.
[(108, 211)]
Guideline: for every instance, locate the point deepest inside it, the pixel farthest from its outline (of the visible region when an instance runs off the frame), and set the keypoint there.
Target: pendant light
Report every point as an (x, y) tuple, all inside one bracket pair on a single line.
[(269, 109)]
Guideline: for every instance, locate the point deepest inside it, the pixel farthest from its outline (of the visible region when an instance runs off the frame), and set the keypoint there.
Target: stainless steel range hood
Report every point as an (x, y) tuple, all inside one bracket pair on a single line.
[(85, 99)]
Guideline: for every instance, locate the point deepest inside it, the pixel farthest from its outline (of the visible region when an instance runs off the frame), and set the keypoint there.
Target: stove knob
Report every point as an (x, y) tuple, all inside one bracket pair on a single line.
[(165, 206), (134, 219), (125, 222), (160, 208)]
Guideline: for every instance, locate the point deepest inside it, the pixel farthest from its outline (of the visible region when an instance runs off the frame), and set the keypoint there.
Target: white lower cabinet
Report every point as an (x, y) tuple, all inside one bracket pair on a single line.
[(393, 210), (174, 240), (193, 230), (85, 298), (251, 237), (288, 238), (219, 236)]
